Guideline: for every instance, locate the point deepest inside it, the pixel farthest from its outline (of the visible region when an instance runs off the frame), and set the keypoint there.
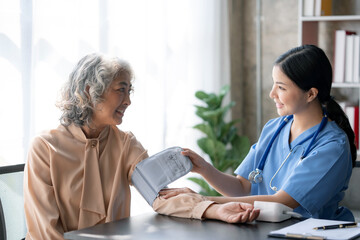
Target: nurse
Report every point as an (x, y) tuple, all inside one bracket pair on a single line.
[(303, 158)]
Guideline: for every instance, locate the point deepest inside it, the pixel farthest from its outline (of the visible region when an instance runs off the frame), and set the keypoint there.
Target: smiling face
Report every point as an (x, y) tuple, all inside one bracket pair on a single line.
[(288, 97), (116, 99)]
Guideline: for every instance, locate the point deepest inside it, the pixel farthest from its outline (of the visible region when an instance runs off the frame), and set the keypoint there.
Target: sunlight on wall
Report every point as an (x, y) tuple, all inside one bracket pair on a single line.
[(11, 115)]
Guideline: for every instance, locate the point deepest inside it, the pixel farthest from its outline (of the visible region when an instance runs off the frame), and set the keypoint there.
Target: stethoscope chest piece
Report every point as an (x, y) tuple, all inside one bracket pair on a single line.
[(255, 176)]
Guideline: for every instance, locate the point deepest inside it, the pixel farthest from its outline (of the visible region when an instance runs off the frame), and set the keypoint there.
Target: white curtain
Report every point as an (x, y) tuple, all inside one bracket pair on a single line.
[(175, 47)]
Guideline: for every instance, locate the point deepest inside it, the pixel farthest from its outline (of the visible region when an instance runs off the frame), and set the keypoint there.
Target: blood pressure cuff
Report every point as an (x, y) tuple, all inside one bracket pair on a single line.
[(156, 172)]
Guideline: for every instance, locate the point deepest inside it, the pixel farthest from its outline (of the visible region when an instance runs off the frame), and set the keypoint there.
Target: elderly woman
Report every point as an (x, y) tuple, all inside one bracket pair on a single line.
[(78, 175)]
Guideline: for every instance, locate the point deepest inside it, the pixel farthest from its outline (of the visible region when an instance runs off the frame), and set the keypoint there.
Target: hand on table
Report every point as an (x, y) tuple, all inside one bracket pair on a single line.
[(232, 212)]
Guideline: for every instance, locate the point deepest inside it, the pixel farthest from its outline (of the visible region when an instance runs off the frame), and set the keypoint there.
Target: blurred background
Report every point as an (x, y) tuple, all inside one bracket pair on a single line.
[(175, 47)]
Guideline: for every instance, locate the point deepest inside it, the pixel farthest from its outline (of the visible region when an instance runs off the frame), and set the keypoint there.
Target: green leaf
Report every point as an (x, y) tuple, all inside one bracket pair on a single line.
[(200, 112), (223, 91), (225, 109), (201, 95), (211, 192), (215, 149), (213, 113), (220, 153), (212, 101), (205, 128), (228, 131), (210, 116), (201, 109), (241, 146), (208, 146), (228, 164), (206, 188), (230, 135), (222, 144), (201, 182)]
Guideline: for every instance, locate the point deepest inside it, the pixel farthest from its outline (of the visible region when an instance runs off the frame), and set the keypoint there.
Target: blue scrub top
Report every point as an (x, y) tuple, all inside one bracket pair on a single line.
[(317, 182)]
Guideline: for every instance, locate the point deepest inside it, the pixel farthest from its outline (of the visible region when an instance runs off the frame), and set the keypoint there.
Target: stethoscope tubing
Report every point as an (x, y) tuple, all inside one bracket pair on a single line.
[(264, 156), (255, 176)]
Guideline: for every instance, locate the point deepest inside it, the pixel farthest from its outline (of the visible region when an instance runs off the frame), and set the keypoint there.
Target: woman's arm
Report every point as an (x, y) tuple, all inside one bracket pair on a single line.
[(192, 205), (41, 211), (225, 184), (280, 197)]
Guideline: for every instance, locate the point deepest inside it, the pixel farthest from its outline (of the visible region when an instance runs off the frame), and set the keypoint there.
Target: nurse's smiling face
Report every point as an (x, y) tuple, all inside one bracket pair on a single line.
[(288, 97)]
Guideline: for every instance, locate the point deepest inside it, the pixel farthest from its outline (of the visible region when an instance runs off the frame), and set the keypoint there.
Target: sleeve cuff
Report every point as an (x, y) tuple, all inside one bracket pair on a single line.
[(200, 208), (186, 205)]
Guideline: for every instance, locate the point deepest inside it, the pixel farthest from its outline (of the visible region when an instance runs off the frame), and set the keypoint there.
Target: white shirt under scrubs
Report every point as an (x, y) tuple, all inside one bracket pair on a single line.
[(317, 182)]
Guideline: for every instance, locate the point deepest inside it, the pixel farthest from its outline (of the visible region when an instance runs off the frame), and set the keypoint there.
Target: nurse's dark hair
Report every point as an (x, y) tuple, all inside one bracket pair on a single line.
[(308, 67), (87, 83)]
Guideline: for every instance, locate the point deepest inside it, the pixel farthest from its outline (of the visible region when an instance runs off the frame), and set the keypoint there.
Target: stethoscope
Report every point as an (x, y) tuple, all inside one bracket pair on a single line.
[(255, 176)]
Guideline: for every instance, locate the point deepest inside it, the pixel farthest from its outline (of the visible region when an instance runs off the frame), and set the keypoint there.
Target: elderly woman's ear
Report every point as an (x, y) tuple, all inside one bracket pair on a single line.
[(87, 92)]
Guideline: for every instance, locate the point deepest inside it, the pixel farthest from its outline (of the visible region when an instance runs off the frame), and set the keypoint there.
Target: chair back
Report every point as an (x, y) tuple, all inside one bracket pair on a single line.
[(12, 216)]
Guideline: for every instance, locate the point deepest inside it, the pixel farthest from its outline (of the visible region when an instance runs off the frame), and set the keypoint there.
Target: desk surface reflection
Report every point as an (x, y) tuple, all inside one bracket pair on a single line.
[(155, 226)]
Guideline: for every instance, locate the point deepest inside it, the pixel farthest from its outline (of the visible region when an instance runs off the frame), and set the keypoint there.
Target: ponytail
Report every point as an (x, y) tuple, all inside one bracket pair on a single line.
[(336, 114)]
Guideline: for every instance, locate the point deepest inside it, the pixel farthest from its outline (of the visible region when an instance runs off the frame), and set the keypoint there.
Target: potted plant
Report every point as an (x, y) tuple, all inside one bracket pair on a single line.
[(225, 148)]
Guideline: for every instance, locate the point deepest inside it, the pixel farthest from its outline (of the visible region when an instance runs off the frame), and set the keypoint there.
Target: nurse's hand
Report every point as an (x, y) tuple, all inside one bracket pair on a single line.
[(232, 212), (199, 164), (171, 192)]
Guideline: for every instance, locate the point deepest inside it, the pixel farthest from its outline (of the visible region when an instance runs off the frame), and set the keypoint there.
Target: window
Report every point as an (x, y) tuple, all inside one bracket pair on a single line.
[(175, 47)]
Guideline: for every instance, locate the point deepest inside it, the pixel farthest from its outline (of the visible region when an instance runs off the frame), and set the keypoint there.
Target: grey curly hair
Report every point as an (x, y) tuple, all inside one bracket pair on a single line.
[(86, 85)]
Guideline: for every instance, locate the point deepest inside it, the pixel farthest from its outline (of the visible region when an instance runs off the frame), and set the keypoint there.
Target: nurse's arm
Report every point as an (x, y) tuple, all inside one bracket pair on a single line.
[(280, 197), (226, 184)]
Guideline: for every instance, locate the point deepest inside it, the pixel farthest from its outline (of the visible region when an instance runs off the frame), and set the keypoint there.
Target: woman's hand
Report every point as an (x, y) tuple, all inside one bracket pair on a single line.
[(171, 192), (198, 162), (232, 212)]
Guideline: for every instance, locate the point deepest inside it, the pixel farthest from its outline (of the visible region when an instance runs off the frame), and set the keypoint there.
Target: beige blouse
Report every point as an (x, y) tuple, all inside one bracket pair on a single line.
[(71, 182)]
